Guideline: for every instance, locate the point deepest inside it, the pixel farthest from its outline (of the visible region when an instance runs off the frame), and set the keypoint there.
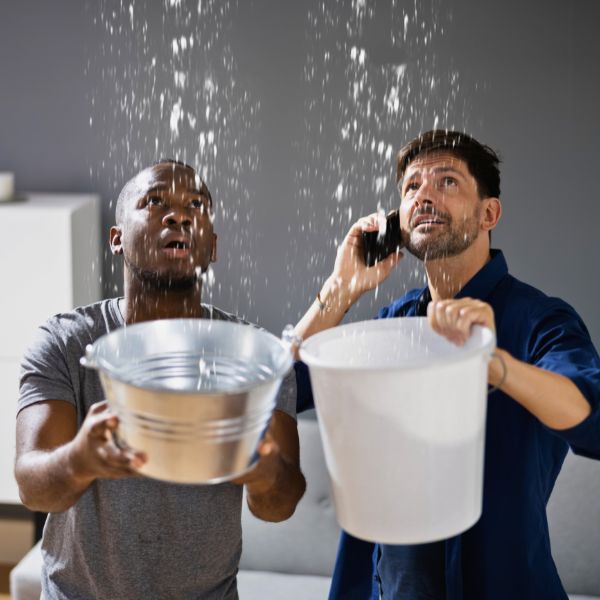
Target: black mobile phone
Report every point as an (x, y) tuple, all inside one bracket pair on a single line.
[(376, 247)]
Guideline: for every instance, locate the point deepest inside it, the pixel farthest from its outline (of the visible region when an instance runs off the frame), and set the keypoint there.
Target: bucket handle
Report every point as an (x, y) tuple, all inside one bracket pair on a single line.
[(294, 342), (291, 340), (496, 387), (88, 360)]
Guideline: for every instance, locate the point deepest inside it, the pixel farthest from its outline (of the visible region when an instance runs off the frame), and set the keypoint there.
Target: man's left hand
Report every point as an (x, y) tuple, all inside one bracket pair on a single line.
[(263, 475), (276, 484), (454, 318)]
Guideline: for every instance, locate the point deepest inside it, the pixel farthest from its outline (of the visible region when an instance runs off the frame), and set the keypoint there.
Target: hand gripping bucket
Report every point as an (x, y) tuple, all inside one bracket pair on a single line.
[(402, 416)]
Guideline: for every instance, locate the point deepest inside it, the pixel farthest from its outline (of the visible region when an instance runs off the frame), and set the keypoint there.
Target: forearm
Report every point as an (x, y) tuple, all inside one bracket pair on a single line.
[(337, 297), (554, 399), (277, 500), (47, 480)]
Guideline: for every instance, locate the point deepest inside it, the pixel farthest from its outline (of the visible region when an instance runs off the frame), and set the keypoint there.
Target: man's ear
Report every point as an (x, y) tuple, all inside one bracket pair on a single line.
[(116, 245), (213, 252), (491, 213)]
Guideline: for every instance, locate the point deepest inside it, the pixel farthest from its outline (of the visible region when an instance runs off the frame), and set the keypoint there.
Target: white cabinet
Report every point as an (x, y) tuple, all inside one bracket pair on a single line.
[(50, 262)]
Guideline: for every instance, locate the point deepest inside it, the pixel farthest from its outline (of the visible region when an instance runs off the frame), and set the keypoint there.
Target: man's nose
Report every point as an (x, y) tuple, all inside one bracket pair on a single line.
[(425, 194), (177, 217)]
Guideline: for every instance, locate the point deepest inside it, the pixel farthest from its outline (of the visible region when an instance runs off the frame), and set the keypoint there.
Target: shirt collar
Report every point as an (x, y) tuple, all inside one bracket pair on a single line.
[(482, 284)]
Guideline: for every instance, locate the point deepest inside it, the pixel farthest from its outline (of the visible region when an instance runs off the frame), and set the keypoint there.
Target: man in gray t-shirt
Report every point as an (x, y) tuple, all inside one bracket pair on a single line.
[(111, 533)]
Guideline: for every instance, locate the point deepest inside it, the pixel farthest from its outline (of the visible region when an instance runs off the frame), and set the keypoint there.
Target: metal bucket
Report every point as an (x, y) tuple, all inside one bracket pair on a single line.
[(195, 395)]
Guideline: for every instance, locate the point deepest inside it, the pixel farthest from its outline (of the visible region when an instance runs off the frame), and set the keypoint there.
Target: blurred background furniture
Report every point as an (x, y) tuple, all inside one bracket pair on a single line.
[(293, 560), (49, 262), (574, 519)]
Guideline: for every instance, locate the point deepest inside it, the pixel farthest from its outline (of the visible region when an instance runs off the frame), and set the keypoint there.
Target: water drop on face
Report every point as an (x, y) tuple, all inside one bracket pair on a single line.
[(381, 221)]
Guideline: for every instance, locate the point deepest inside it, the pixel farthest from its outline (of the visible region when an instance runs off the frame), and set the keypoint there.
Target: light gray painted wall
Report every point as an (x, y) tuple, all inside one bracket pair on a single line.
[(521, 76)]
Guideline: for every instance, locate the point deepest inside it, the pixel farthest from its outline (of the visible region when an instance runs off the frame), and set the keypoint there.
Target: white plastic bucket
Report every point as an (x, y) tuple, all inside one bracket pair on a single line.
[(402, 416)]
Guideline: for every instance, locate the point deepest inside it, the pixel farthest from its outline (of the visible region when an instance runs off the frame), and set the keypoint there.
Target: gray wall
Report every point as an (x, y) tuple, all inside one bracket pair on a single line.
[(81, 109)]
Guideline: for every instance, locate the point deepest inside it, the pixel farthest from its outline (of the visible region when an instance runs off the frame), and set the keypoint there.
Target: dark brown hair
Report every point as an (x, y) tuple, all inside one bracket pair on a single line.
[(481, 160)]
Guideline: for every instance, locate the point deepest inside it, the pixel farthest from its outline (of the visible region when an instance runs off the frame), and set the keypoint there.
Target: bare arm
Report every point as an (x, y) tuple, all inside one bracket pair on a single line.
[(55, 463), (554, 399), (274, 487), (350, 279)]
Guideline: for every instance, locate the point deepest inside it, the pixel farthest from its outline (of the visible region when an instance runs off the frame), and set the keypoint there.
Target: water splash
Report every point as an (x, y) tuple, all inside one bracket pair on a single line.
[(368, 92), (165, 84)]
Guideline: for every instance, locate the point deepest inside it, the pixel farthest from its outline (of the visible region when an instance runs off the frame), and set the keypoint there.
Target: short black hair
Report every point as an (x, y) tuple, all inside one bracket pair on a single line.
[(481, 160), (173, 161)]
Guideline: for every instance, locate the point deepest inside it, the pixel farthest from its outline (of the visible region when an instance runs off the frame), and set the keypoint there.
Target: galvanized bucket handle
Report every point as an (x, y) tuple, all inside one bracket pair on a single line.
[(89, 360), (290, 339)]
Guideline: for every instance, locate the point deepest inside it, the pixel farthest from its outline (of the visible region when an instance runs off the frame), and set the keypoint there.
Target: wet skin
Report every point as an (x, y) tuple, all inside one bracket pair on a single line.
[(166, 231), (441, 207)]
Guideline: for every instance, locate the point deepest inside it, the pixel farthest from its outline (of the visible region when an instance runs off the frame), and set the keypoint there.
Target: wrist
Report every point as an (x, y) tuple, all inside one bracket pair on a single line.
[(266, 478), (77, 469), (498, 368), (337, 295)]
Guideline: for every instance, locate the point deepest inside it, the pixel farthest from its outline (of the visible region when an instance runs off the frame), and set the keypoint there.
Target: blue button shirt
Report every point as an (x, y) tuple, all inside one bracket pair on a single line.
[(506, 554)]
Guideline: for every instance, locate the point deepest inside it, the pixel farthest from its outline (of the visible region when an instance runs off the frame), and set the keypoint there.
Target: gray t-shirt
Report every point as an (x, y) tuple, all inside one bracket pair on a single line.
[(131, 538)]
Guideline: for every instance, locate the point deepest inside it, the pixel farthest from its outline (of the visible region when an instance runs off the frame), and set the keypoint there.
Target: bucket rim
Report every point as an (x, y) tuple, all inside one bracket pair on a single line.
[(106, 369), (313, 361)]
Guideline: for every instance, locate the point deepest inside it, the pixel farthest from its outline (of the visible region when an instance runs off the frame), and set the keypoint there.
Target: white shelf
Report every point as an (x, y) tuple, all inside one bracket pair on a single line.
[(49, 263)]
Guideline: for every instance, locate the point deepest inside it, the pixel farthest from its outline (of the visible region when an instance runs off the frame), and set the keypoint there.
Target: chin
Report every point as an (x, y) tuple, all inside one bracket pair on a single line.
[(169, 280)]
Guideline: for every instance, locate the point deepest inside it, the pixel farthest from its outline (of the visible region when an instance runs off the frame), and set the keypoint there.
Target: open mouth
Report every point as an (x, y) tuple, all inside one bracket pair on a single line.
[(178, 245), (428, 222)]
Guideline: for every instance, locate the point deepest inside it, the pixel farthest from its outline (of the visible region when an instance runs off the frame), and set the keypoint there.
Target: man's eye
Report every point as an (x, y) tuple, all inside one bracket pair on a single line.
[(154, 201), (197, 204), (449, 181), (411, 187)]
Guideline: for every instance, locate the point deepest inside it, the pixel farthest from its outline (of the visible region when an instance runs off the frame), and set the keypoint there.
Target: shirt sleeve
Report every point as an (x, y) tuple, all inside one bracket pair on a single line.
[(44, 371), (561, 344), (286, 398), (305, 399)]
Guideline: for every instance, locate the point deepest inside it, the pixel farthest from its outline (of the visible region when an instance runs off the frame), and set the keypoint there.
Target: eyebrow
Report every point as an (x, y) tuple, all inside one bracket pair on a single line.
[(161, 187), (435, 171)]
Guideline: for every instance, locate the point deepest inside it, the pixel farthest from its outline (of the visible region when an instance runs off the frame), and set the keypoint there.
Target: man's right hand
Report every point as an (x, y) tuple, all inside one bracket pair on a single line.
[(350, 270), (56, 462), (350, 279), (94, 453)]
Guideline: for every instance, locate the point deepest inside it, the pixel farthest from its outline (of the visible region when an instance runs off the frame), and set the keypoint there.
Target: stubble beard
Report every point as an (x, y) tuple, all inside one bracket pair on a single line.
[(451, 242), (163, 282)]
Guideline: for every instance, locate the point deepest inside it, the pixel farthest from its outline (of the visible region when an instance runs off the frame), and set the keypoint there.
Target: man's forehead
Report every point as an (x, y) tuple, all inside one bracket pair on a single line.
[(166, 175), (434, 161)]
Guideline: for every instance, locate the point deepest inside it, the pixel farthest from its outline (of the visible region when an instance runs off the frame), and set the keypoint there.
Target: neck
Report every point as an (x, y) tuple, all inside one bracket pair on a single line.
[(145, 302), (447, 276)]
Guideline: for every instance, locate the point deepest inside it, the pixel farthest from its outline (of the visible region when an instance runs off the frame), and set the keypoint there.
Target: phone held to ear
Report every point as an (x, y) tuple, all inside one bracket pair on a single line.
[(376, 247)]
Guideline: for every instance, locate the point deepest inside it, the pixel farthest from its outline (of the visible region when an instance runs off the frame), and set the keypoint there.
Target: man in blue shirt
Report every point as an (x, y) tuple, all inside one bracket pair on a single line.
[(546, 368)]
